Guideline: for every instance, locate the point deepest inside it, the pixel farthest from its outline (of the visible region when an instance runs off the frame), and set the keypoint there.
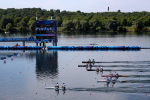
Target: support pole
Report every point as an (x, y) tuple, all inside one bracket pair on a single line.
[(23, 43), (40, 44), (36, 44)]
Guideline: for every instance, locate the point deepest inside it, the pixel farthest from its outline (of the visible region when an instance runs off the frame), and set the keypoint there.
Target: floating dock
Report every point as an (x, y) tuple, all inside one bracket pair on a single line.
[(134, 48)]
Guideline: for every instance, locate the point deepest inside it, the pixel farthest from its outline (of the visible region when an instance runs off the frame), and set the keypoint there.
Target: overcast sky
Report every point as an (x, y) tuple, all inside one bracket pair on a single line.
[(82, 5)]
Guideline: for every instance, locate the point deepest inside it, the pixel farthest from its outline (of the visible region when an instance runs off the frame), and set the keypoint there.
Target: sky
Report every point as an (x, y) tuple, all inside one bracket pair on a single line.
[(86, 6)]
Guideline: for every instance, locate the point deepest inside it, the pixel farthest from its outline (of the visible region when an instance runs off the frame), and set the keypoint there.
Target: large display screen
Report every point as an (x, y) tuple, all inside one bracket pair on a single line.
[(44, 22)]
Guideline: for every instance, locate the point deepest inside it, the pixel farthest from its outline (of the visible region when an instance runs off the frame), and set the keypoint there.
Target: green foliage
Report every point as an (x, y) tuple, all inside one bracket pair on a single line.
[(137, 25), (4, 21), (67, 25), (32, 18), (59, 20), (76, 24), (17, 20), (111, 24), (26, 15), (9, 27), (124, 22), (93, 23), (21, 26), (84, 25), (41, 18), (31, 25), (26, 19), (1, 30)]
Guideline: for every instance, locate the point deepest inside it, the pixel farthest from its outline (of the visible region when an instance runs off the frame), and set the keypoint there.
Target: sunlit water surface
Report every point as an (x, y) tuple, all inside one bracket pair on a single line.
[(25, 77)]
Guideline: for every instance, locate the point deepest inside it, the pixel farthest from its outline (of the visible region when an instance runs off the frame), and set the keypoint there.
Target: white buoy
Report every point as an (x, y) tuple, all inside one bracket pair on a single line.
[(18, 55), (12, 57), (4, 60)]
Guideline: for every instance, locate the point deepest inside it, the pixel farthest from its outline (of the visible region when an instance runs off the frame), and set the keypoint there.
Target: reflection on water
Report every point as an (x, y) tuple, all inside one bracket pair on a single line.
[(46, 64)]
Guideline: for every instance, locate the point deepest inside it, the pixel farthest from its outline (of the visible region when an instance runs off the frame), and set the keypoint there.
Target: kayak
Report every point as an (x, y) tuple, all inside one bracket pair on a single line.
[(115, 76), (110, 81), (55, 88)]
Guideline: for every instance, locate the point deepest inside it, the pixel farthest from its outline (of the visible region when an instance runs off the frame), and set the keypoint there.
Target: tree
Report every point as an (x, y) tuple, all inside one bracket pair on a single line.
[(57, 11), (76, 24), (17, 20), (111, 24), (26, 19), (32, 18), (21, 26), (51, 12), (41, 18), (124, 22), (67, 25), (59, 20), (9, 27), (31, 25), (119, 11), (93, 23), (84, 25), (137, 25), (4, 21)]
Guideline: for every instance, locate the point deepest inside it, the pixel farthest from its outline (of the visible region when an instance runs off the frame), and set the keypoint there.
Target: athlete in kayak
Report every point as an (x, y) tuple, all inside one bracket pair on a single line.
[(90, 66), (108, 79), (101, 69), (93, 61), (86, 66), (64, 86), (113, 79), (57, 85), (116, 74), (89, 60), (97, 69), (111, 74)]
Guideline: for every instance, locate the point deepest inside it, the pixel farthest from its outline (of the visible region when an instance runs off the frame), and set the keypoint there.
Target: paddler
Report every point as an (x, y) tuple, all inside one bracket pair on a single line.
[(111, 74), (57, 85), (108, 79), (93, 61), (97, 69), (90, 65), (116, 74), (89, 60), (113, 79), (64, 86), (101, 69), (86, 65)]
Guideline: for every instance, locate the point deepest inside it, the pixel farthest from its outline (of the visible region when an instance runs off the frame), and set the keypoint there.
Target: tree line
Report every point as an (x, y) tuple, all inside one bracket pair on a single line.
[(24, 19)]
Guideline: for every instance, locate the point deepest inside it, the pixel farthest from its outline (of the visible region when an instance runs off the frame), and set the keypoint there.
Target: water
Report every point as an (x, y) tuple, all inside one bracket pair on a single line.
[(27, 76)]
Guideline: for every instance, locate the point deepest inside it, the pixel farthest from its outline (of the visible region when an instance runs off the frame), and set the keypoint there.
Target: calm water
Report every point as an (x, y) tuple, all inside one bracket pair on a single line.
[(26, 77)]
